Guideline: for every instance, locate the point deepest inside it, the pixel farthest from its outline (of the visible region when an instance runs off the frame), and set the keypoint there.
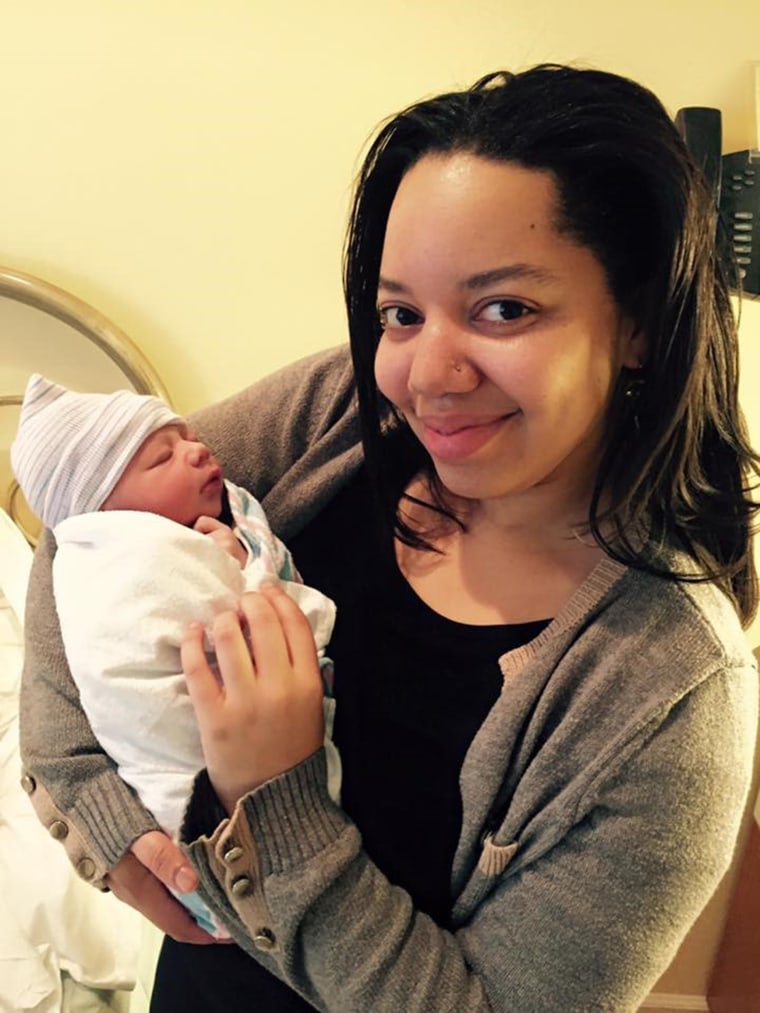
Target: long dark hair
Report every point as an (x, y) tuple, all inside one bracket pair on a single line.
[(676, 462)]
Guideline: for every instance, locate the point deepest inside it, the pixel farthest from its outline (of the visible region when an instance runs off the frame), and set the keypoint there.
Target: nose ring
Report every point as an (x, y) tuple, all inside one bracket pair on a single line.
[(457, 366)]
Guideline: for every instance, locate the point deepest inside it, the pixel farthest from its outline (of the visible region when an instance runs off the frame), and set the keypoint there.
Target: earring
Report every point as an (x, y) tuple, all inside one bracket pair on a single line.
[(632, 391)]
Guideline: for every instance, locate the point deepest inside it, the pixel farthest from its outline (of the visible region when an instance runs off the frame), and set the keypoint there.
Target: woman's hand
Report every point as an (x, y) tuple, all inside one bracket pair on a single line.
[(266, 714), (141, 877)]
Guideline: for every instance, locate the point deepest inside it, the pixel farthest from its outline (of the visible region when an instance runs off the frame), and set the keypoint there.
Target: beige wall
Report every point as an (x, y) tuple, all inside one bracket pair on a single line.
[(185, 165)]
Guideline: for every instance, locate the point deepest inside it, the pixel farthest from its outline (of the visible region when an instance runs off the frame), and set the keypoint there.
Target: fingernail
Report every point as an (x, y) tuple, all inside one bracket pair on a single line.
[(185, 880)]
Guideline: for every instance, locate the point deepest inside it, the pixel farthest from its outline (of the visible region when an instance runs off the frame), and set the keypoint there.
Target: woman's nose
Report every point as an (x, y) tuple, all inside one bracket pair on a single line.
[(440, 364)]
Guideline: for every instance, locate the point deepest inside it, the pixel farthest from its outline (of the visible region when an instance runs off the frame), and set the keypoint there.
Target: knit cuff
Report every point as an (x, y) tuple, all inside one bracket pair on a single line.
[(292, 816), (108, 813)]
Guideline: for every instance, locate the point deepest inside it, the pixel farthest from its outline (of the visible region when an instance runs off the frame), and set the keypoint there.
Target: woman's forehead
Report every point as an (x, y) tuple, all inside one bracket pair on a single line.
[(474, 218)]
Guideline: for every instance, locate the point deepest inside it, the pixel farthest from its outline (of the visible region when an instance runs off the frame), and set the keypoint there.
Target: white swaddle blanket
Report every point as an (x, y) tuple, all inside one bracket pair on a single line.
[(127, 584)]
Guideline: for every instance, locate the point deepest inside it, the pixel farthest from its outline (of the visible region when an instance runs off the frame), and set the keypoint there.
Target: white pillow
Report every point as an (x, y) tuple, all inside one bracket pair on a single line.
[(15, 560), (15, 563)]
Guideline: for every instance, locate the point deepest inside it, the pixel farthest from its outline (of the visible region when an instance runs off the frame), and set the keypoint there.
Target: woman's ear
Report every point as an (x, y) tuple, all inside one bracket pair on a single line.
[(635, 346)]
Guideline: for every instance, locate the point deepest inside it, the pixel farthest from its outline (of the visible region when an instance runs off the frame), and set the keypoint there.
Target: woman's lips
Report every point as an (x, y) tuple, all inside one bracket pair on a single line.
[(454, 438)]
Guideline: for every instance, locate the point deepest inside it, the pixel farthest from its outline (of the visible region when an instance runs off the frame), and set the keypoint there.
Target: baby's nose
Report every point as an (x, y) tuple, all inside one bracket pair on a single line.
[(198, 453)]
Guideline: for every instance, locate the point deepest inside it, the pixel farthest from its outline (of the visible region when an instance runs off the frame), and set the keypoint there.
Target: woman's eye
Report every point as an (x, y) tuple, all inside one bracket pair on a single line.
[(397, 316), (501, 310)]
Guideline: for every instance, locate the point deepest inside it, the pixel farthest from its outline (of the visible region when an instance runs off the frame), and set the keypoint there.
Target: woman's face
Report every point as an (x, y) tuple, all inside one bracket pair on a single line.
[(501, 340)]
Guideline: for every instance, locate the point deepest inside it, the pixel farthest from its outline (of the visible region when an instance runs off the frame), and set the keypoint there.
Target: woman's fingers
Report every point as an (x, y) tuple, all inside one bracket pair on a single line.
[(134, 885), (263, 713), (266, 635), (158, 853), (138, 879), (233, 654), (202, 684), (298, 634), (271, 639)]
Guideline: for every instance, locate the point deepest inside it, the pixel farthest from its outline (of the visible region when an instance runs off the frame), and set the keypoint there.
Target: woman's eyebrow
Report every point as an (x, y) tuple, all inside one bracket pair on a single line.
[(392, 286), (527, 272)]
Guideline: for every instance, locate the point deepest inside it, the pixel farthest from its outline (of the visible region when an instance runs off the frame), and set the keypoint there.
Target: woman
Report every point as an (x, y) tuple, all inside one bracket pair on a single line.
[(541, 561)]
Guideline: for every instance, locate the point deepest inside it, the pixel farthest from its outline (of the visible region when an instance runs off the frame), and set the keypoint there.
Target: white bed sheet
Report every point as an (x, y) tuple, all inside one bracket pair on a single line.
[(52, 924)]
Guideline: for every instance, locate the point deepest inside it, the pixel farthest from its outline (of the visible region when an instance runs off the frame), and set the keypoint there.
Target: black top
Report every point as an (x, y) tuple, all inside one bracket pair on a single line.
[(411, 690)]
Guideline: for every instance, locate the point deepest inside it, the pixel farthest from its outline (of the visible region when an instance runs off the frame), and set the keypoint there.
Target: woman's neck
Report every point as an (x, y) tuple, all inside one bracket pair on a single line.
[(510, 563)]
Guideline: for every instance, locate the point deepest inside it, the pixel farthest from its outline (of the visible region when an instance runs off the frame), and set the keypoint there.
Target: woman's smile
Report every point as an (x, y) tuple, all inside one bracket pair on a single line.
[(449, 438)]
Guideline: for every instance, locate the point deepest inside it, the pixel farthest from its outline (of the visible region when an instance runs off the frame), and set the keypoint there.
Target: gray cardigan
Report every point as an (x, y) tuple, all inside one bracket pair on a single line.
[(620, 748)]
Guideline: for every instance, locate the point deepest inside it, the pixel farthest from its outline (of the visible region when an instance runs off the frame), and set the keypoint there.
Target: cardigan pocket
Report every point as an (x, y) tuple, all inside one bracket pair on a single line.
[(492, 864), (494, 858)]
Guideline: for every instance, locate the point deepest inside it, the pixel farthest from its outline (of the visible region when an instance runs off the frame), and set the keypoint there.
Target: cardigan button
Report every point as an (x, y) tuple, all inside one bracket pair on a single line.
[(241, 886), (86, 868), (264, 939), (58, 830), (28, 783), (232, 855)]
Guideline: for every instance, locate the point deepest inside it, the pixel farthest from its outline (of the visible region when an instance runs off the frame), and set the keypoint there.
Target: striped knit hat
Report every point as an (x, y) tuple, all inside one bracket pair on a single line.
[(71, 449)]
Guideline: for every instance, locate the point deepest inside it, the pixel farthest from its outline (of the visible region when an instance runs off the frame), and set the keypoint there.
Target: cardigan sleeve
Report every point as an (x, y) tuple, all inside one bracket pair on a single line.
[(71, 783), (587, 924), (287, 437)]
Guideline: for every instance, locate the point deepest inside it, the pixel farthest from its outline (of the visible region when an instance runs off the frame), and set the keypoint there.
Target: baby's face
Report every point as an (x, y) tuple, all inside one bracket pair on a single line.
[(172, 474)]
